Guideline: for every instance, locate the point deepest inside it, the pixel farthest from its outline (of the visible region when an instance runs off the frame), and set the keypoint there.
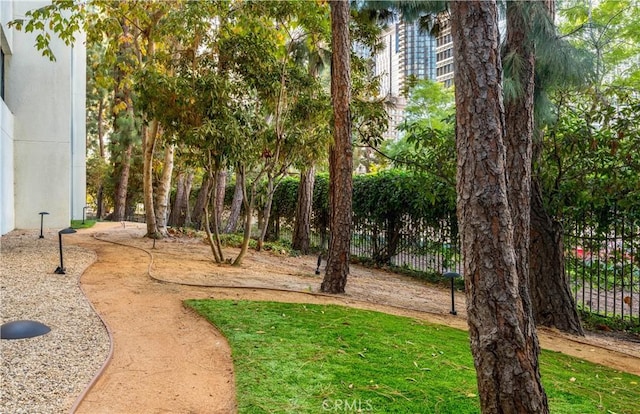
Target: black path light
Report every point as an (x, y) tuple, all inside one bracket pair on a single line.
[(452, 276), (68, 230), (42, 214), (22, 329), (84, 209)]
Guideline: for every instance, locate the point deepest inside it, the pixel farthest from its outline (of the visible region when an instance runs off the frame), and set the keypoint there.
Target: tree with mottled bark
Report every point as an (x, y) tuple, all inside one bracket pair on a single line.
[(201, 199), (236, 206), (163, 191), (506, 362), (340, 153), (300, 239)]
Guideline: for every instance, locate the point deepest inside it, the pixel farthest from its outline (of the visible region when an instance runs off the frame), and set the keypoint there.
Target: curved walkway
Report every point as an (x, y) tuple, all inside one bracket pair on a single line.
[(165, 358), (168, 360)]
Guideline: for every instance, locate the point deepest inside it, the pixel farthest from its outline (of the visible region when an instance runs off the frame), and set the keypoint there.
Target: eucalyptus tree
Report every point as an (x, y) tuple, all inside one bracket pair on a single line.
[(284, 84)]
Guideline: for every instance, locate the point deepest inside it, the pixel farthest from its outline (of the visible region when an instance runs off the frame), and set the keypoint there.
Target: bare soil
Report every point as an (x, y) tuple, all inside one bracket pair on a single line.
[(166, 359)]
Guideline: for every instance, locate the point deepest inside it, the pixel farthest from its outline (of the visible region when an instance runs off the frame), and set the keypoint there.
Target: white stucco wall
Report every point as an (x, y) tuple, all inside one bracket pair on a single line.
[(48, 103), (7, 219)]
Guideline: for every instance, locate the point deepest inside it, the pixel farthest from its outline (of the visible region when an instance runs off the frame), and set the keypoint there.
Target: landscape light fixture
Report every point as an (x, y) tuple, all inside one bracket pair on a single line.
[(452, 275), (42, 214), (84, 209), (22, 329), (68, 230)]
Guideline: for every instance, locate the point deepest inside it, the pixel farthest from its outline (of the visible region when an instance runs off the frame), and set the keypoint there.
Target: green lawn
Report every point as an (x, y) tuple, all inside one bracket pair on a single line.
[(78, 224), (296, 358)]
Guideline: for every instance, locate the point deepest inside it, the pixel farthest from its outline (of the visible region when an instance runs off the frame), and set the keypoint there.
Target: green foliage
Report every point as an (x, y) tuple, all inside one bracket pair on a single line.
[(63, 18), (376, 197), (304, 358), (278, 247), (397, 193), (427, 143), (592, 165), (610, 30)]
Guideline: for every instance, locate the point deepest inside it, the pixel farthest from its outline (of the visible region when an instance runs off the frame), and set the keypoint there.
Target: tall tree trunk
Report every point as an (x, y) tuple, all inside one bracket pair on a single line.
[(553, 303), (149, 135), (340, 153), (248, 208), (174, 216), (236, 205), (123, 125), (266, 211), (212, 236), (164, 190), (551, 298), (221, 186), (100, 195), (302, 227), (100, 202), (519, 129), (506, 365), (186, 206), (178, 216), (201, 201), (120, 201)]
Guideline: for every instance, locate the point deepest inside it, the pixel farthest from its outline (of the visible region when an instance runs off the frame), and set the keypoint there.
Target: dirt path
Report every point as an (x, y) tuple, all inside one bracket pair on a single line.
[(167, 360)]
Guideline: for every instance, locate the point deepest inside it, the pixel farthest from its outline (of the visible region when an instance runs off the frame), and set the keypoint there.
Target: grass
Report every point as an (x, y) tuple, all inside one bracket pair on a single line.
[(77, 224), (312, 358)]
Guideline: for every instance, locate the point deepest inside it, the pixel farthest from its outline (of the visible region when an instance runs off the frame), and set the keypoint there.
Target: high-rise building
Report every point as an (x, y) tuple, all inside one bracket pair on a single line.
[(444, 53), (408, 53)]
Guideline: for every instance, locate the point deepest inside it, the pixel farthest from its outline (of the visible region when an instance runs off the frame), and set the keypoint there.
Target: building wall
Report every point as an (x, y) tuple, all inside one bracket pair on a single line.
[(47, 100), (444, 53), (7, 219)]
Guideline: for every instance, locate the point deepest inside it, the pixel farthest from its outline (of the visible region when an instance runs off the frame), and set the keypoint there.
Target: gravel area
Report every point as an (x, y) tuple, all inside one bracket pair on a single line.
[(47, 374)]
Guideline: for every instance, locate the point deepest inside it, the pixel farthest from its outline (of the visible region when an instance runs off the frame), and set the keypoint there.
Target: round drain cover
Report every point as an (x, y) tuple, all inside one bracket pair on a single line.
[(22, 329)]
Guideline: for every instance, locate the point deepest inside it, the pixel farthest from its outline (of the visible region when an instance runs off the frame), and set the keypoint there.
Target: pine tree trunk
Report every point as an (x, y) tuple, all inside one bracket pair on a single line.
[(164, 190), (236, 206), (340, 153), (519, 129), (302, 227), (553, 303), (506, 365)]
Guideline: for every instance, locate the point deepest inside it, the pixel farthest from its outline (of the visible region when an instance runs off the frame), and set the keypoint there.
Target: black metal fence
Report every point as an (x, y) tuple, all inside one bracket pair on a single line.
[(602, 261), (409, 244)]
